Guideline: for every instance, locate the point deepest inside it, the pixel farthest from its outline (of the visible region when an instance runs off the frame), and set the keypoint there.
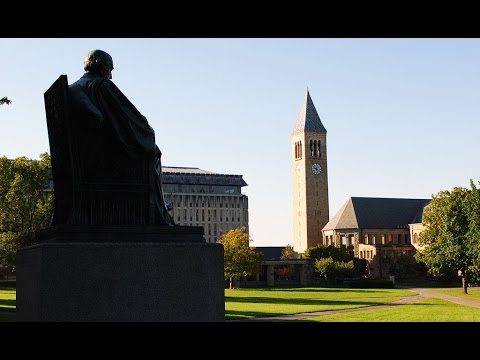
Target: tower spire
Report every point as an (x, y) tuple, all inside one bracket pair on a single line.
[(308, 119)]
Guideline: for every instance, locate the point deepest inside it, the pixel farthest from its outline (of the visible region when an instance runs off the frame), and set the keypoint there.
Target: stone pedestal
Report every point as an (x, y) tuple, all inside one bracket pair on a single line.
[(120, 281)]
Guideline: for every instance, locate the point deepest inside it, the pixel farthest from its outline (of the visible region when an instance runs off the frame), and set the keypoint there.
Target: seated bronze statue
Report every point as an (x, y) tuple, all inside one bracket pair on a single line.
[(105, 163)]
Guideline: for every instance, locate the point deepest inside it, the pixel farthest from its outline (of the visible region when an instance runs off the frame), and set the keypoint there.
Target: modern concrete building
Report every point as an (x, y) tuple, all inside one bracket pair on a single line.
[(376, 226), (310, 178), (204, 198)]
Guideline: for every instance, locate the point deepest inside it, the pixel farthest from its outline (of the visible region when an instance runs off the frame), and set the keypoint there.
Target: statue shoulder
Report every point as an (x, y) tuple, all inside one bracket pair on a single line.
[(82, 104)]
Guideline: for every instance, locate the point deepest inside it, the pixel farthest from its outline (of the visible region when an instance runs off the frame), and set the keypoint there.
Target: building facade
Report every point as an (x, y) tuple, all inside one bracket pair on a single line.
[(203, 198), (376, 226), (310, 177)]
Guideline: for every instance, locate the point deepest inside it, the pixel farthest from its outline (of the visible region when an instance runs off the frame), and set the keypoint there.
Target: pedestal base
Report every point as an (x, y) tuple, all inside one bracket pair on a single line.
[(120, 281)]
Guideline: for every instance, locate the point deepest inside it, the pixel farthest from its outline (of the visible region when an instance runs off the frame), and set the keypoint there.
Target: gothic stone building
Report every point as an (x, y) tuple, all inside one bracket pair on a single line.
[(376, 226), (204, 198)]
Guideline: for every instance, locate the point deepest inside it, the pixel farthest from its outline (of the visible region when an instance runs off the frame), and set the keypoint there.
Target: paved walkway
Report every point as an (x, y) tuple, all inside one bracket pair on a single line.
[(421, 293)]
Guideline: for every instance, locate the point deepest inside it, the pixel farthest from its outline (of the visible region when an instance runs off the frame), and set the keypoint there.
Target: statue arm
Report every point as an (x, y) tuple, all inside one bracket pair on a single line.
[(82, 104)]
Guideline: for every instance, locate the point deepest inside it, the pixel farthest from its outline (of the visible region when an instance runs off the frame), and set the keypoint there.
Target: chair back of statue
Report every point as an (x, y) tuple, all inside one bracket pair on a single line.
[(95, 182)]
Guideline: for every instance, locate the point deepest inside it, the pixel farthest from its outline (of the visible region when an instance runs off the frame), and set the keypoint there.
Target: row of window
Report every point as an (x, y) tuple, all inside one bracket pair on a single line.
[(206, 201), (315, 149), (371, 239), (365, 254), (215, 189)]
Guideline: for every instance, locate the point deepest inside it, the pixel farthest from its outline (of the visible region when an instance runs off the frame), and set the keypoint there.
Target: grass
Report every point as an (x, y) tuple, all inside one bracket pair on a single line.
[(473, 294), (7, 303), (427, 310), (7, 299), (252, 303)]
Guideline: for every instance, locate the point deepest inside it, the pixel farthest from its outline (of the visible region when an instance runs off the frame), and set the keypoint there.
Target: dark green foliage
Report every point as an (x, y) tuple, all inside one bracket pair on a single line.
[(403, 266), (5, 100), (25, 205), (322, 252), (341, 256), (359, 267), (452, 234)]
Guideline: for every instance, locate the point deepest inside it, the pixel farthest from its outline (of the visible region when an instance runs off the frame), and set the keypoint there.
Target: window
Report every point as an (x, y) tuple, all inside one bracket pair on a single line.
[(366, 239), (399, 239), (415, 238)]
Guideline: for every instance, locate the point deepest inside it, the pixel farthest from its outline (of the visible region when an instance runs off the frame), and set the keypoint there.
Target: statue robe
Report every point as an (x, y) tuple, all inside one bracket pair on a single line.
[(102, 103)]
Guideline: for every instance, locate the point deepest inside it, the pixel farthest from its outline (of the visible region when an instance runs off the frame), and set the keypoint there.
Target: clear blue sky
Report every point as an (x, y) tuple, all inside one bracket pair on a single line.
[(402, 115)]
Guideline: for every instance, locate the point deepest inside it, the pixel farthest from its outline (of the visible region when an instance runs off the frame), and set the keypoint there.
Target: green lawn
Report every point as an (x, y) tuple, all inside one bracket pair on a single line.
[(7, 299), (7, 303), (427, 310), (250, 303), (473, 294)]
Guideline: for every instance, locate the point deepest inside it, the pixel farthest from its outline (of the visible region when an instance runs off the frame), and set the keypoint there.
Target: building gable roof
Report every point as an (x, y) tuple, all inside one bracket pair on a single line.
[(378, 213)]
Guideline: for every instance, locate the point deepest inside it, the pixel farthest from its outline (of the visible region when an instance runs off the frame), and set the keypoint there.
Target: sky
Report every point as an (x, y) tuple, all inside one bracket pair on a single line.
[(402, 115)]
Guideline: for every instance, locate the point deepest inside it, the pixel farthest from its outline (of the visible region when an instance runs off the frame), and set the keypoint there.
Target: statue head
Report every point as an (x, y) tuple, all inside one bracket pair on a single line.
[(99, 62)]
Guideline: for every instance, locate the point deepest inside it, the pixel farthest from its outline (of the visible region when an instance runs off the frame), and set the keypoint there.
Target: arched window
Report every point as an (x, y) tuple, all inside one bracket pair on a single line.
[(319, 154), (315, 148), (415, 238), (311, 148)]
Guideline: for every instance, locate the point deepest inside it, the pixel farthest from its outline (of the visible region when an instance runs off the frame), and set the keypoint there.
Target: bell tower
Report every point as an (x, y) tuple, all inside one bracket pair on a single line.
[(310, 180)]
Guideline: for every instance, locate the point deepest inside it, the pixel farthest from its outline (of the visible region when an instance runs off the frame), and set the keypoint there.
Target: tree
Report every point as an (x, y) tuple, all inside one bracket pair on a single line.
[(5, 100), (339, 255), (240, 260), (25, 205), (321, 251), (328, 268), (451, 235), (289, 253)]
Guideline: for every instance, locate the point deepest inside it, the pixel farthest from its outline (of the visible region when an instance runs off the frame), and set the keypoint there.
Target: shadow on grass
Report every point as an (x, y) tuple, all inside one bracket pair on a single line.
[(7, 305), (241, 315), (7, 317), (245, 315), (268, 300), (311, 290)]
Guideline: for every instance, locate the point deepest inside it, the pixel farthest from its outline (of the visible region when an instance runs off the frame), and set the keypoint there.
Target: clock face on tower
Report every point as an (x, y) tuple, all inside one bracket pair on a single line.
[(299, 169), (316, 169)]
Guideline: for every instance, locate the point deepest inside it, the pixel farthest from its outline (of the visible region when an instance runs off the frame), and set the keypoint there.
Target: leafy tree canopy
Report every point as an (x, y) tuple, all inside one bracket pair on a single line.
[(240, 260), (25, 205), (321, 251), (5, 100), (289, 253), (452, 234)]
